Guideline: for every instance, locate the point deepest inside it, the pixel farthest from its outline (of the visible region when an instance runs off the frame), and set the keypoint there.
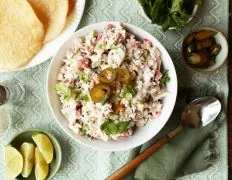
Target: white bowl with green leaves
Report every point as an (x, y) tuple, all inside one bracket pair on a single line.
[(168, 14)]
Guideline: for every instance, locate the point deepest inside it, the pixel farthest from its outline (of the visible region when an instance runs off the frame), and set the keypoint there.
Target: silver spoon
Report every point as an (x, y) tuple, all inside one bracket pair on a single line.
[(196, 114)]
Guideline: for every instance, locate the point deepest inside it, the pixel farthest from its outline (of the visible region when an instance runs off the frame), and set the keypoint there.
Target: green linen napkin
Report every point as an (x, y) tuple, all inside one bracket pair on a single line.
[(191, 151)]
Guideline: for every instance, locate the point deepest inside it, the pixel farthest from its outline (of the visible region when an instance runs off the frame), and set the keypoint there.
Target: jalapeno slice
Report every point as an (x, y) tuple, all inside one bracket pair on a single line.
[(99, 92), (123, 75), (107, 75)]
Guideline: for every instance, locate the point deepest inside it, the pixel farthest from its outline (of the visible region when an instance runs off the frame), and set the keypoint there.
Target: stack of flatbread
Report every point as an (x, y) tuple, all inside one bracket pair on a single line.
[(26, 25)]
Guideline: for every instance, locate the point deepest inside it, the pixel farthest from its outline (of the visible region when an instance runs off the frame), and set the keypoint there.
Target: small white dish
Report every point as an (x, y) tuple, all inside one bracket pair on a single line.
[(142, 134), (220, 58), (49, 49)]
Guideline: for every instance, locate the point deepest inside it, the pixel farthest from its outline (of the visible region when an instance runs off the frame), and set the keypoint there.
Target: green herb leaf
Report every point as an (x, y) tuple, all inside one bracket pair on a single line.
[(82, 76), (158, 11), (122, 126), (167, 23), (85, 97), (113, 46), (165, 78), (198, 2), (94, 33), (129, 92), (111, 128), (179, 14), (104, 100), (65, 90), (99, 46), (128, 96), (143, 2), (82, 131), (131, 89)]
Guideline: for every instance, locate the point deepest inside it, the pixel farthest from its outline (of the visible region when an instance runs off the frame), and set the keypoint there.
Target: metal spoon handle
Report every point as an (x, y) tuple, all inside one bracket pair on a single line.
[(119, 174)]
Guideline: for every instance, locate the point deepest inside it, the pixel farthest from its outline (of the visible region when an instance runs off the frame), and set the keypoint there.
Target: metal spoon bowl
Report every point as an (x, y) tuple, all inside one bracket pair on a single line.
[(196, 114), (200, 112)]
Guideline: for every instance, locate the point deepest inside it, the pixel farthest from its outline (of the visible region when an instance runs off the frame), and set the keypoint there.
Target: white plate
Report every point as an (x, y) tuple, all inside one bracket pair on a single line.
[(52, 47), (142, 134)]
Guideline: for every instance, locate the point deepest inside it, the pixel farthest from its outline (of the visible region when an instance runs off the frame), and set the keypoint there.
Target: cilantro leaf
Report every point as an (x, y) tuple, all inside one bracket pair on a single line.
[(198, 2), (85, 97), (129, 92), (80, 96), (165, 78), (99, 46), (179, 14), (158, 10), (82, 131), (113, 46), (143, 2), (65, 90), (104, 100), (122, 126), (82, 76), (111, 128)]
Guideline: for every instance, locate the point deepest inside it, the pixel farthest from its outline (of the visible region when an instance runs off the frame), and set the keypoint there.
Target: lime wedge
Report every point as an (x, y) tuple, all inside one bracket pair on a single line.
[(45, 146), (41, 166), (28, 152), (13, 162)]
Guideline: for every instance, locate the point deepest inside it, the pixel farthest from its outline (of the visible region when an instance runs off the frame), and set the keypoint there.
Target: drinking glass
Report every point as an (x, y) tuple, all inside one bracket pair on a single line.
[(4, 121), (11, 91)]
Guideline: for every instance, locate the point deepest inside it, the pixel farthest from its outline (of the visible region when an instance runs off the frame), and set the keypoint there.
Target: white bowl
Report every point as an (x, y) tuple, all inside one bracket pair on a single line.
[(195, 8), (142, 134), (220, 58)]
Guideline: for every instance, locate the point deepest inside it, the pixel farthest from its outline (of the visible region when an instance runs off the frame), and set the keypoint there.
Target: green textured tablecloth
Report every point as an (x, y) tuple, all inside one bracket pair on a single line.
[(80, 162)]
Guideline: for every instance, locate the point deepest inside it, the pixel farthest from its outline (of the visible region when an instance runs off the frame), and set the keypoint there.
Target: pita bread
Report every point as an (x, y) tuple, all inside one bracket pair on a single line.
[(21, 34), (52, 13)]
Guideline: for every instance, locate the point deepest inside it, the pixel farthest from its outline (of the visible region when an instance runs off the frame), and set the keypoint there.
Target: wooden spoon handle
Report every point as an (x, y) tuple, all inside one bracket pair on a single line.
[(119, 174)]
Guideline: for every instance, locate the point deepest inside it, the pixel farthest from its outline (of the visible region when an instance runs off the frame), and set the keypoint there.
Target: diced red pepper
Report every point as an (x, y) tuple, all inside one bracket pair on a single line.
[(157, 114), (108, 26), (129, 35), (89, 48), (79, 110), (84, 63), (147, 42), (136, 44), (99, 37), (157, 75), (66, 81)]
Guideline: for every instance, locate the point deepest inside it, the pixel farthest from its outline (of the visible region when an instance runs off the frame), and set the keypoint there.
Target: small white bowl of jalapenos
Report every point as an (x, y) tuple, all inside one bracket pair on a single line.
[(205, 49)]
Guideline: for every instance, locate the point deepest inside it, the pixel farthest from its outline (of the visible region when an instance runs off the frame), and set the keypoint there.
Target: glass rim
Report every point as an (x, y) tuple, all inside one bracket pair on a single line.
[(7, 115)]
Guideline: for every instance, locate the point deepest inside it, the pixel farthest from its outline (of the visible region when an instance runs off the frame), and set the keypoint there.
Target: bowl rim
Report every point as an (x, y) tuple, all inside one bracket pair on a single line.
[(194, 12), (53, 138), (68, 131), (211, 68)]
